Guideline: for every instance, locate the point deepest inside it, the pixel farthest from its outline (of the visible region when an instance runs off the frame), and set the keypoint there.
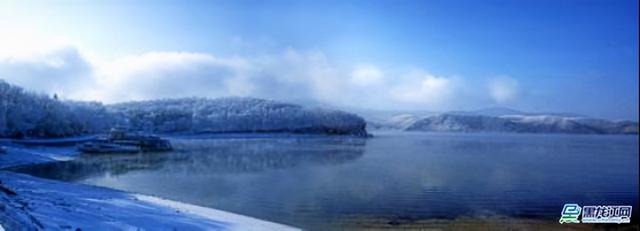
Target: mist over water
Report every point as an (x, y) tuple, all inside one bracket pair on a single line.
[(322, 182)]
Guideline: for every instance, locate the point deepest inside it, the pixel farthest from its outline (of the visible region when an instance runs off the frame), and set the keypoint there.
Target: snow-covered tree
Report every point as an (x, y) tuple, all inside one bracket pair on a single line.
[(35, 115), (235, 114), (26, 114)]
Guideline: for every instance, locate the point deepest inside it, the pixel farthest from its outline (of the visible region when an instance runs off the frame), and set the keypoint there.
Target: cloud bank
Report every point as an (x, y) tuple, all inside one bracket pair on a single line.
[(503, 89), (288, 75), (61, 70)]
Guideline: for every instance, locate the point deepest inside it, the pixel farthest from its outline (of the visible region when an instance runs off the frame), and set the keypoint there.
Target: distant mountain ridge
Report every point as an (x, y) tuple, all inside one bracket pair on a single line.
[(504, 120), (503, 111)]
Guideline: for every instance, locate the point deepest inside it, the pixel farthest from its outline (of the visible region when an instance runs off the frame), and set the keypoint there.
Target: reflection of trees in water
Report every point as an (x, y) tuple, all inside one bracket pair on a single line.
[(209, 156), (91, 165), (230, 156)]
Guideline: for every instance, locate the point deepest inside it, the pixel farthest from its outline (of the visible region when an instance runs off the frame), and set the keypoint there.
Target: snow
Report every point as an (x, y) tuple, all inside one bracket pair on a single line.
[(547, 119), (234, 114), (48, 204), (504, 122), (25, 114), (403, 120), (54, 205), (240, 222), (19, 155)]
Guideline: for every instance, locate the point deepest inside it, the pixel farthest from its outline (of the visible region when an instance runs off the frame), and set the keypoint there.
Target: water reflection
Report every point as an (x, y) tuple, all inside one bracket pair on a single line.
[(208, 156), (322, 183)]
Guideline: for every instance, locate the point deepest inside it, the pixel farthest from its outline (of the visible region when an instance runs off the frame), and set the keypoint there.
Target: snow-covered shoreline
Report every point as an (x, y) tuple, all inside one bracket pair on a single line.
[(29, 203)]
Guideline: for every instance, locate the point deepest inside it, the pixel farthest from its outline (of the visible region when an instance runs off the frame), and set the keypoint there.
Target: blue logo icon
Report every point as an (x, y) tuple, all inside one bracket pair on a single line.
[(570, 213)]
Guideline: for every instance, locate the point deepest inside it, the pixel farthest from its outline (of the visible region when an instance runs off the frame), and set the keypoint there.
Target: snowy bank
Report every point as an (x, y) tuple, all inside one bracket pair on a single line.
[(47, 204), (31, 203), (19, 155)]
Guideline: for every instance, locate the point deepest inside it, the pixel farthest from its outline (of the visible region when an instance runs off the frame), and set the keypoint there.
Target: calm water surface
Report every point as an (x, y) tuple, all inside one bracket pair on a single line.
[(323, 182)]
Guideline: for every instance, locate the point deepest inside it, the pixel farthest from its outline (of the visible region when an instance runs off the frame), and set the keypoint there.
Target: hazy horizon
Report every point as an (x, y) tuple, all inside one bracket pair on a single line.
[(544, 56)]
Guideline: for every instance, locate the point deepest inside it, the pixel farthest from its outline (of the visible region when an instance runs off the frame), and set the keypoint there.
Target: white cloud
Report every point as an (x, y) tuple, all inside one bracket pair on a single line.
[(168, 74), (289, 75), (366, 75), (421, 88), (62, 70), (503, 89)]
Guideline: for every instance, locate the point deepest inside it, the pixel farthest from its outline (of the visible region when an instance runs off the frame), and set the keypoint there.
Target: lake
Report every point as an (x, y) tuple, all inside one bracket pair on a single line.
[(394, 178)]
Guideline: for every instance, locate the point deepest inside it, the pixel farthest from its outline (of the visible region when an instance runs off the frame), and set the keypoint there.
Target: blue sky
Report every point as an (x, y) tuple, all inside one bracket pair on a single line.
[(567, 56)]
